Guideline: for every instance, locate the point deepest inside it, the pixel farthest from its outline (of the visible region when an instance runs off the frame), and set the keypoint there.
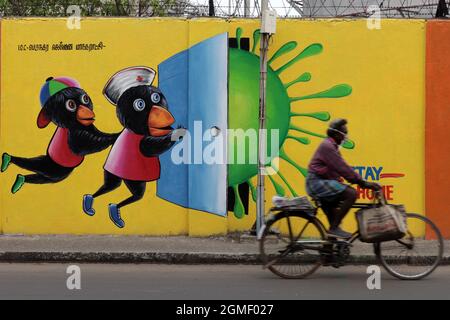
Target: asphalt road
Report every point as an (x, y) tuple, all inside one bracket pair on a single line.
[(204, 282)]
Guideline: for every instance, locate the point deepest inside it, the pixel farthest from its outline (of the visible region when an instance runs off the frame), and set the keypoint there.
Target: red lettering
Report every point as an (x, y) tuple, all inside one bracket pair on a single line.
[(361, 192), (389, 192)]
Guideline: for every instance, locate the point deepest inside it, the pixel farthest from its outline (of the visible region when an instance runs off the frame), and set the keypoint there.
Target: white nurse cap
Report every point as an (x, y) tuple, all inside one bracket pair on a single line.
[(126, 79)]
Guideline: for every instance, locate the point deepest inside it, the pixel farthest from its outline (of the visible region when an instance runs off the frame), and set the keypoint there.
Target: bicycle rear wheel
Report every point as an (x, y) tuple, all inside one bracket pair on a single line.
[(413, 257), (291, 245)]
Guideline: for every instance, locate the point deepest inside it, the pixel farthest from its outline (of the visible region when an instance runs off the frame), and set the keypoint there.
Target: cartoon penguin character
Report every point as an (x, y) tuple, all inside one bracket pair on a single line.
[(143, 111), (70, 108)]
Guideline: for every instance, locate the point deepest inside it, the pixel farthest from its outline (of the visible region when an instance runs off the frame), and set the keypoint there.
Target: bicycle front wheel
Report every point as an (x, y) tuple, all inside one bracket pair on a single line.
[(291, 245), (413, 257)]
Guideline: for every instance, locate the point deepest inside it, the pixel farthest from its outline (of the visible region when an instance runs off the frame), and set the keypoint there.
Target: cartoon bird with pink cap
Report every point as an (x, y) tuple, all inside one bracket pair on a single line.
[(65, 104), (143, 111)]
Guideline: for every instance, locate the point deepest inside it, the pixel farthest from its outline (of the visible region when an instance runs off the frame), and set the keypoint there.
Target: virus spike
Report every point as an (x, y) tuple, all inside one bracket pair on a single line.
[(339, 91), (312, 50), (294, 194), (256, 38), (286, 48), (278, 188), (293, 127), (302, 140), (322, 116), (239, 210), (253, 190), (303, 78), (348, 144), (285, 157), (278, 172), (238, 37)]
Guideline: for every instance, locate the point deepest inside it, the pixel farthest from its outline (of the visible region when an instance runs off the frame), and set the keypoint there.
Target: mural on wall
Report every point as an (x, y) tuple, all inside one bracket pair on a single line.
[(244, 109), (209, 83), (196, 80), (65, 104), (142, 109), (207, 74)]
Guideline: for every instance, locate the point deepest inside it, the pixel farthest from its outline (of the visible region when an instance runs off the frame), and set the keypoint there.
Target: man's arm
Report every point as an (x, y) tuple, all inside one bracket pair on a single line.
[(336, 163)]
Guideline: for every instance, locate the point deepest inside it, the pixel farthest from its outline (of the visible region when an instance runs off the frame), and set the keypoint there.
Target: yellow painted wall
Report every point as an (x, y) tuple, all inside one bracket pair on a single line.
[(57, 208), (385, 110), (387, 106)]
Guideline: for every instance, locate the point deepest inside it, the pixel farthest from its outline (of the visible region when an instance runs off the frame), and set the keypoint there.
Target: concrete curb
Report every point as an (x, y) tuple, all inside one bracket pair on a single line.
[(129, 257), (155, 258)]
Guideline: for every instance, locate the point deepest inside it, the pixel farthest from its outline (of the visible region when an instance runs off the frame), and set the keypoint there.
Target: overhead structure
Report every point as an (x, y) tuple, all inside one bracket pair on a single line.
[(361, 8), (315, 8)]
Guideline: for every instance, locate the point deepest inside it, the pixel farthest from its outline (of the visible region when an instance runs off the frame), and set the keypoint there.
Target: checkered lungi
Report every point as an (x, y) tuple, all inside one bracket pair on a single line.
[(321, 188)]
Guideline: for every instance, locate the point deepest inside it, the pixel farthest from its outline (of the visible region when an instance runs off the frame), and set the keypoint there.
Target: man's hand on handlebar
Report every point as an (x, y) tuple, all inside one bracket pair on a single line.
[(370, 185)]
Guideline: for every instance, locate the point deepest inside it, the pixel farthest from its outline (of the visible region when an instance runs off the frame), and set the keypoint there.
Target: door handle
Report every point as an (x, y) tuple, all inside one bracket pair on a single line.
[(215, 131)]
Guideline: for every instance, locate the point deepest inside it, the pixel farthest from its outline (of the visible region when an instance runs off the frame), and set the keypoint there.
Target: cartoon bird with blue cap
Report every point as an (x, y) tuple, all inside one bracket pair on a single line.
[(65, 104)]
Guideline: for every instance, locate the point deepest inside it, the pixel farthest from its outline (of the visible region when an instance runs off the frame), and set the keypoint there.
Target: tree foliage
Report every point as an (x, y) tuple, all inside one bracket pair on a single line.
[(58, 8)]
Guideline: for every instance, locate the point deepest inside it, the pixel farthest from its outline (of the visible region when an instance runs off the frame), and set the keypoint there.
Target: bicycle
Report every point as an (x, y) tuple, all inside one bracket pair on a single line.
[(294, 244)]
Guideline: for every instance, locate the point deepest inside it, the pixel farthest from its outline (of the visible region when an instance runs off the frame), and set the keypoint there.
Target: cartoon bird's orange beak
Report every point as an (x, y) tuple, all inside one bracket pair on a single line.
[(85, 116), (159, 121)]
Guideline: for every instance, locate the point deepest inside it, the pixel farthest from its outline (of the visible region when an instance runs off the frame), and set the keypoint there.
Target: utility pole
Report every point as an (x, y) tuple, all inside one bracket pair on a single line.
[(212, 12), (268, 26)]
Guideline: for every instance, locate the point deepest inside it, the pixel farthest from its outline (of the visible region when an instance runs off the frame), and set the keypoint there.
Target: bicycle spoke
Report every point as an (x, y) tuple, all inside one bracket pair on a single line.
[(301, 232), (410, 257), (288, 257), (291, 236)]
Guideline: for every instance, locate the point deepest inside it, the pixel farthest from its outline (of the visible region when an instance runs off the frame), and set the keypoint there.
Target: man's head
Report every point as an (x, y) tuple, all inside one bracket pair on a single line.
[(338, 130)]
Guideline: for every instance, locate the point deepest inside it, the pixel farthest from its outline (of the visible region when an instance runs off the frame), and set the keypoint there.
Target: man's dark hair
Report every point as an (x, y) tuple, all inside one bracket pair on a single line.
[(336, 124)]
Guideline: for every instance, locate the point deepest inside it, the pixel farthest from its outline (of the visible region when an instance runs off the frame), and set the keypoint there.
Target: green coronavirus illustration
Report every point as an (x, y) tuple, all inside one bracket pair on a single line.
[(244, 75)]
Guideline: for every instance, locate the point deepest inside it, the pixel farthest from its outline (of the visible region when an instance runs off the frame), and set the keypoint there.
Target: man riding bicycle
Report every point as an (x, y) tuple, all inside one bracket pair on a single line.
[(325, 179)]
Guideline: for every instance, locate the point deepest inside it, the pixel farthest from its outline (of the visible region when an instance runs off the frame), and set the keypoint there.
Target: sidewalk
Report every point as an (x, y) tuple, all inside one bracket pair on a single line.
[(233, 249)]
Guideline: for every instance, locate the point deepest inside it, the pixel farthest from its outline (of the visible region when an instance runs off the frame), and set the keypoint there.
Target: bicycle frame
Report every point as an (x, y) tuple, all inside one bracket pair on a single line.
[(379, 196), (332, 251)]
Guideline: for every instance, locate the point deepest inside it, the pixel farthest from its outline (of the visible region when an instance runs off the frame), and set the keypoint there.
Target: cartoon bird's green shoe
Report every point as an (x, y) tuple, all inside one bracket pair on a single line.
[(20, 181), (6, 160)]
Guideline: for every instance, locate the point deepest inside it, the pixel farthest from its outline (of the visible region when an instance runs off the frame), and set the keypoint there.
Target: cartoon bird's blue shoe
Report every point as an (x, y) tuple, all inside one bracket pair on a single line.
[(88, 201), (114, 214)]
